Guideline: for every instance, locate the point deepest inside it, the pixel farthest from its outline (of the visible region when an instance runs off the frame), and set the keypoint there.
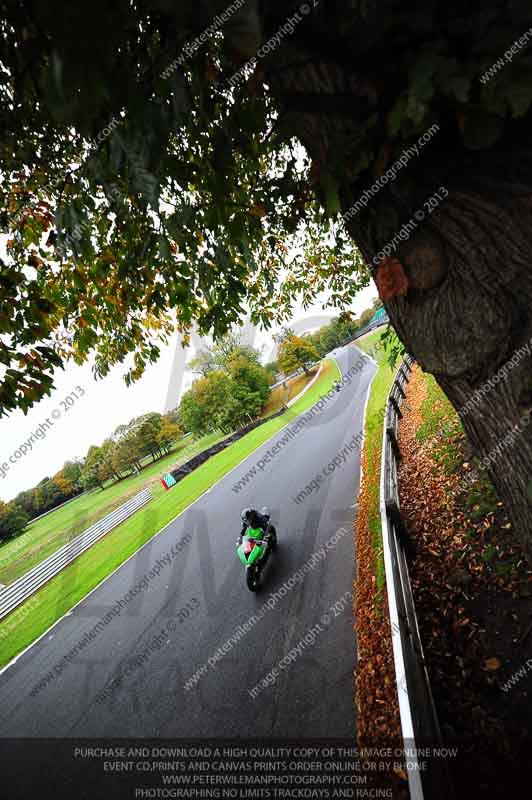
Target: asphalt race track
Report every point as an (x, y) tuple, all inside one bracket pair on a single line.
[(310, 697)]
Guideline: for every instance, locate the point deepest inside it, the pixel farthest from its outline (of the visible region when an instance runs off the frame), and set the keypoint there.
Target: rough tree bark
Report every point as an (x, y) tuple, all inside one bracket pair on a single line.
[(471, 321), (467, 307)]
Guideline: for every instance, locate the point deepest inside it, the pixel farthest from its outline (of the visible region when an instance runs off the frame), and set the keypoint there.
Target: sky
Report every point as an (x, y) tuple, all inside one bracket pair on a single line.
[(67, 427)]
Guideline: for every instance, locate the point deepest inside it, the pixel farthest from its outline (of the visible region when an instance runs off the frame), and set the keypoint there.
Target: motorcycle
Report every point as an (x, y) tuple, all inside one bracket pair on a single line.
[(254, 554)]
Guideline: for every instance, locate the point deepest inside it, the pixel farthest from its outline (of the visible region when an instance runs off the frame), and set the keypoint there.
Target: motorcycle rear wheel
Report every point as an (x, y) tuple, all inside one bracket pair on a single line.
[(273, 537)]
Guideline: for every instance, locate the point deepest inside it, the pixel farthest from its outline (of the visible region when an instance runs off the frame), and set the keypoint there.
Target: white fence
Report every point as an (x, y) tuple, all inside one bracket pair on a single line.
[(19, 591)]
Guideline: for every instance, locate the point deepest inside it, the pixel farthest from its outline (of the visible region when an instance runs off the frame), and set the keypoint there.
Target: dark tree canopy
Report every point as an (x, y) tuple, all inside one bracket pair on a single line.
[(130, 195), (145, 186)]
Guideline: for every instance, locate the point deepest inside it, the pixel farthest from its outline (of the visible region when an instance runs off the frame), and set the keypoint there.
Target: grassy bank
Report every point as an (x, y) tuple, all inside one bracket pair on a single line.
[(44, 537), (373, 444), (74, 582)]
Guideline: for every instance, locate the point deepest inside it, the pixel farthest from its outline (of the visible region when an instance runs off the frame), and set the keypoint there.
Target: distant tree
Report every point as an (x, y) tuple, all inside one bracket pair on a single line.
[(26, 501), (147, 432), (236, 411), (219, 401), (121, 430), (225, 397), (282, 334), (48, 495), (220, 354), (366, 316), (13, 519), (127, 454), (173, 416), (64, 485), (296, 352), (169, 433), (206, 404), (202, 363), (192, 410), (106, 469), (346, 325), (226, 348), (328, 338), (251, 390), (272, 368), (90, 477), (250, 375), (71, 470)]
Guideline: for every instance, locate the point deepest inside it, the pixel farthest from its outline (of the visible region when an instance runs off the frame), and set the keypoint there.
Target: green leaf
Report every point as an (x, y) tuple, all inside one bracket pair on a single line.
[(164, 248), (78, 280)]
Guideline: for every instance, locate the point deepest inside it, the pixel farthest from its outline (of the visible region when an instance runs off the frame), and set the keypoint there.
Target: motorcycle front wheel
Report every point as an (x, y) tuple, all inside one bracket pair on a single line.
[(252, 578)]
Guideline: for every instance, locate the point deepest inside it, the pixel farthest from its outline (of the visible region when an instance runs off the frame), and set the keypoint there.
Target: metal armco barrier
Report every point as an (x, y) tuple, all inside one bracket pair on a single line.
[(419, 722), (293, 374), (19, 591), (366, 329)]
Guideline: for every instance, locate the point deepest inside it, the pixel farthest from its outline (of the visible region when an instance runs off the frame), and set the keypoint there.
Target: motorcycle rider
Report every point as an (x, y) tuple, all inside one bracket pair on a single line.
[(254, 521)]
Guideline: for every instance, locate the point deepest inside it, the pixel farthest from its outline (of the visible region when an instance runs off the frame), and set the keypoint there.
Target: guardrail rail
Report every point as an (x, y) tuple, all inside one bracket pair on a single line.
[(294, 374), (419, 721), (20, 590)]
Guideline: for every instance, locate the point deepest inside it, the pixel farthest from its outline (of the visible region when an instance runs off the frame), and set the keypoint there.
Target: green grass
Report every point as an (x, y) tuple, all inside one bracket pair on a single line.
[(44, 537), (373, 445), (440, 420), (435, 410), (60, 594)]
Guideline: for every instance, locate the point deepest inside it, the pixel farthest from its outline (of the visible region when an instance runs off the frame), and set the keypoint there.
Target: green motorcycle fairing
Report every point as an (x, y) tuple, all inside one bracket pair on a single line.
[(257, 552)]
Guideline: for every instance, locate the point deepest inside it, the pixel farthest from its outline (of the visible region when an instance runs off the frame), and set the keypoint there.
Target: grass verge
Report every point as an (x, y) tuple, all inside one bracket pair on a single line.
[(373, 445), (44, 537), (76, 581)]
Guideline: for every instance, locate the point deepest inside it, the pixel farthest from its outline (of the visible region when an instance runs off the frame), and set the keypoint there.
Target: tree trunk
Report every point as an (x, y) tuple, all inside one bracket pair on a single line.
[(464, 265), (466, 315)]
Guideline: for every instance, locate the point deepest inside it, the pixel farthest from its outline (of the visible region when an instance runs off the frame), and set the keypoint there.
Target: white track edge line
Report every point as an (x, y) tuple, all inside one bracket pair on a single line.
[(70, 611)]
